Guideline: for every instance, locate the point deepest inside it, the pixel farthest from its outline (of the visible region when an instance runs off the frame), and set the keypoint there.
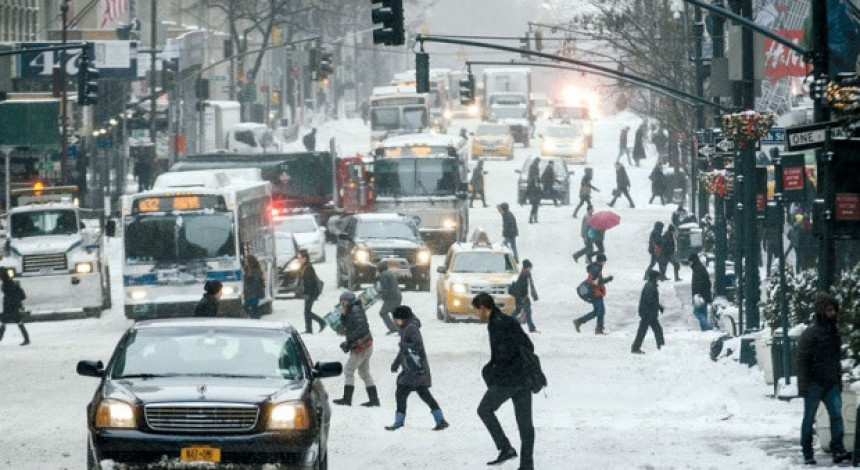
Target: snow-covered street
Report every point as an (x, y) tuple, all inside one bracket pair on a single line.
[(604, 408)]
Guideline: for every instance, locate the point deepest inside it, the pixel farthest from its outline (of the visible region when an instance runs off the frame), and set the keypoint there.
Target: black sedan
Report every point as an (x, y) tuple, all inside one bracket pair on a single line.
[(226, 392)]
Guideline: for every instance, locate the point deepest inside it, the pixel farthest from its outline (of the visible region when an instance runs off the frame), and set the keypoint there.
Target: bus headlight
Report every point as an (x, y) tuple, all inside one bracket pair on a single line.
[(423, 257), (458, 288), (10, 272), (115, 414), (228, 290), (84, 267), (449, 224), (362, 255), (138, 294), (448, 114), (288, 416), (294, 265)]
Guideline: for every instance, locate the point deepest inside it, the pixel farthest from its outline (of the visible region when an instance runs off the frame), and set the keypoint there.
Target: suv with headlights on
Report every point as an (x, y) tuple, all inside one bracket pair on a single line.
[(210, 392), (368, 239)]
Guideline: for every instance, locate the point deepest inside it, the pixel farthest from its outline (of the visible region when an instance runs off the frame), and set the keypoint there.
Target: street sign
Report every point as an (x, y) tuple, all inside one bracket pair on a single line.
[(775, 136), (812, 135), (706, 150), (724, 144)]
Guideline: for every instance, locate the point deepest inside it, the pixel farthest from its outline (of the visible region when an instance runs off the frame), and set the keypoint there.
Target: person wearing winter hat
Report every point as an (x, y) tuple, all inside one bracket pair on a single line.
[(598, 286), (414, 370), (208, 305), (701, 291), (649, 307), (520, 290), (359, 346), (819, 377)]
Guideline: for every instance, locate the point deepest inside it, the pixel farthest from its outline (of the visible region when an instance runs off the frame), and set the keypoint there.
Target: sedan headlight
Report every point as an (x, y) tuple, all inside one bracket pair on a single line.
[(448, 114), (458, 288), (288, 416), (138, 294), (362, 255), (449, 223), (294, 265), (84, 268), (586, 129), (115, 414), (548, 146), (423, 257)]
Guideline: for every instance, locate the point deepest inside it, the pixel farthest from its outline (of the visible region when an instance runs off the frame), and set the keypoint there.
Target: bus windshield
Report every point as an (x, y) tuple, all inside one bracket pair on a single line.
[(389, 119), (168, 239), (404, 177)]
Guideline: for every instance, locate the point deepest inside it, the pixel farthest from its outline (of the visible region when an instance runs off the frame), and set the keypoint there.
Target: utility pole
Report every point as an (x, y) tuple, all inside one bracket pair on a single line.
[(64, 110), (153, 96), (825, 195), (720, 235), (698, 31), (747, 167)]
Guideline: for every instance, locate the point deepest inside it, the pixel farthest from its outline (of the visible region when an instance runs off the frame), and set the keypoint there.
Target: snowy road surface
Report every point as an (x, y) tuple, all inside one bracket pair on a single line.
[(604, 408)]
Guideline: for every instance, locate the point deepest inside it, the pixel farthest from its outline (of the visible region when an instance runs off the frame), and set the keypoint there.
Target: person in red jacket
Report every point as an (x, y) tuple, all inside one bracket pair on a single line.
[(598, 284)]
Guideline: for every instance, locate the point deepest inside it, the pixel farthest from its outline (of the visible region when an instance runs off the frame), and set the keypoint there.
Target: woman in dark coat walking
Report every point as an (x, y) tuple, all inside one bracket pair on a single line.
[(13, 296), (639, 143), (667, 254), (655, 246), (649, 310), (309, 288), (414, 370), (622, 185), (208, 305), (658, 184), (585, 188), (254, 288), (533, 189), (547, 180)]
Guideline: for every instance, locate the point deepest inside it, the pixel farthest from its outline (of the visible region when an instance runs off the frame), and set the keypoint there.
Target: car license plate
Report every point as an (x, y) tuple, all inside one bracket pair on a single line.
[(46, 270), (200, 454), (393, 264)]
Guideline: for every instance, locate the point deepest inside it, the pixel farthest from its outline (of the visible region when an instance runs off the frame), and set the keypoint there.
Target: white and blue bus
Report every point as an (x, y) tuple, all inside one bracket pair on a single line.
[(194, 227)]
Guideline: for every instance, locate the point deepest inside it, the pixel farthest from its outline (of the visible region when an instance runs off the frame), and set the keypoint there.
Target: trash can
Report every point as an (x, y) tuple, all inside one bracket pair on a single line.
[(747, 351), (685, 241), (776, 354)]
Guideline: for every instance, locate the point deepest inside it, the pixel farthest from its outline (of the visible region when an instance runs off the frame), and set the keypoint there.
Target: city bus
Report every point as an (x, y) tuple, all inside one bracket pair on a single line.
[(397, 110), (194, 227)]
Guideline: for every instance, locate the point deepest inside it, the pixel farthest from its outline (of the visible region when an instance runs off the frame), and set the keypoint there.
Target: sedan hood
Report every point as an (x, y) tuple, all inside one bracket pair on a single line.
[(477, 279), (395, 243), (204, 389), (307, 238)]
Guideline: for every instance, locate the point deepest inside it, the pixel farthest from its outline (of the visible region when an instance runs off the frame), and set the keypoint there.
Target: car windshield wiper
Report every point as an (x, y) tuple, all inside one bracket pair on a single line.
[(233, 376), (144, 376)]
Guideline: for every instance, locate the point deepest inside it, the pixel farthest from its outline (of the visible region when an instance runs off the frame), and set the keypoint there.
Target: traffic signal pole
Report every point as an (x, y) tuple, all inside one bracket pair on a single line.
[(64, 111), (751, 246), (825, 195)]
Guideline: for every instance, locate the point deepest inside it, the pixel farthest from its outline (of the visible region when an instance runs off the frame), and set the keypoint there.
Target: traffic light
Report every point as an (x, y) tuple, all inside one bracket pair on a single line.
[(539, 40), (422, 72), (524, 45), (88, 87), (467, 90), (325, 65), (313, 63), (168, 74), (390, 15)]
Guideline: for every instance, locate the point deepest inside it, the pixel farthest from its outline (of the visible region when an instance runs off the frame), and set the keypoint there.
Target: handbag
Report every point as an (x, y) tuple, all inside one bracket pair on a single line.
[(413, 361), (616, 192), (585, 291), (535, 379)]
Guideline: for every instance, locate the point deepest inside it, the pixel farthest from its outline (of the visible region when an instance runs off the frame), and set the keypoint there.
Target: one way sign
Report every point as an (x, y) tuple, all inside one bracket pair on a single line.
[(706, 150), (724, 144), (812, 136)]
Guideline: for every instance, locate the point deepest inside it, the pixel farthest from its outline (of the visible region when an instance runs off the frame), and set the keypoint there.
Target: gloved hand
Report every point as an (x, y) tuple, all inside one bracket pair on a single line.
[(535, 297), (344, 347), (608, 279), (661, 309), (394, 367)]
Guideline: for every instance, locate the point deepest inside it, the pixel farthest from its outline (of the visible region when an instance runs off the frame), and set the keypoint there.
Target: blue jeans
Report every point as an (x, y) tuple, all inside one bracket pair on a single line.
[(511, 242), (527, 308), (599, 311), (701, 314), (832, 399)]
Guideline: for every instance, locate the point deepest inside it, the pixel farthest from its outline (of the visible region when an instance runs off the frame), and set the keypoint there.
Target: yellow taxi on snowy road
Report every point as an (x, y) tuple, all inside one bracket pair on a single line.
[(469, 269)]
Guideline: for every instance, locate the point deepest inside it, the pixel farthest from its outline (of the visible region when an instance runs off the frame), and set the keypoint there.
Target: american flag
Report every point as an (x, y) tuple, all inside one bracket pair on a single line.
[(113, 8)]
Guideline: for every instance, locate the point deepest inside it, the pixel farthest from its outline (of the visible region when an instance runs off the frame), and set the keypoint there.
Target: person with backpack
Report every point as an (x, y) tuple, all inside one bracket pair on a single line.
[(649, 307), (513, 373), (597, 283), (310, 140), (585, 188), (309, 290), (519, 289), (359, 346), (414, 373), (13, 296)]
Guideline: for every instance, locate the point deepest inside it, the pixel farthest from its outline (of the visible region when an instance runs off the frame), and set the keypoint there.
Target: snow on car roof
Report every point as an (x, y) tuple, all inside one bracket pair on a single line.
[(433, 140), (203, 322), (379, 216)]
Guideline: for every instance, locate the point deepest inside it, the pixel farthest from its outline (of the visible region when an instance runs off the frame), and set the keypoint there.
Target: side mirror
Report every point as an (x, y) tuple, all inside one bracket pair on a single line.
[(518, 171), (91, 368), (343, 236), (110, 228), (441, 269), (327, 369)]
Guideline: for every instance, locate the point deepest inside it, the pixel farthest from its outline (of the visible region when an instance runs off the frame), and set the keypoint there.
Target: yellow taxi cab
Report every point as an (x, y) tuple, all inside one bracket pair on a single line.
[(564, 141), (493, 140), (471, 268)]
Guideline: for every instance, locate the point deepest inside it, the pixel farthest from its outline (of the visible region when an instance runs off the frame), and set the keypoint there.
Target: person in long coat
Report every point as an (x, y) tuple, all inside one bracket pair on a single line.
[(667, 253), (13, 297), (701, 287), (649, 310), (658, 184), (585, 188), (254, 287), (639, 143), (509, 228), (414, 369), (655, 246), (389, 292), (477, 182), (622, 185), (309, 291), (533, 189), (547, 179)]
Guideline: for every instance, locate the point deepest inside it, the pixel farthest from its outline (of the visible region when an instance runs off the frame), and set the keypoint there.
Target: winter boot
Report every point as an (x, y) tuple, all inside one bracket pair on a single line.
[(373, 398), (841, 455), (399, 419), (599, 331), (2, 331), (27, 336), (347, 396), (440, 420), (577, 324)]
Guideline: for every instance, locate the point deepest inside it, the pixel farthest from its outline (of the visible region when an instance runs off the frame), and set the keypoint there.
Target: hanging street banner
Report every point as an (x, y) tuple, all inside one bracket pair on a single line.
[(793, 177)]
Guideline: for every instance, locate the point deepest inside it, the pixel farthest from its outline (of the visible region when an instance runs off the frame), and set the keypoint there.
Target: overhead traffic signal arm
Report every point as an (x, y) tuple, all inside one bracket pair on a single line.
[(388, 15)]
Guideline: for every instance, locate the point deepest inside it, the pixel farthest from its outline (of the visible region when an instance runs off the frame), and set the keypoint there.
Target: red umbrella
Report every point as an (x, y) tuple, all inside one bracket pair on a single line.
[(604, 220)]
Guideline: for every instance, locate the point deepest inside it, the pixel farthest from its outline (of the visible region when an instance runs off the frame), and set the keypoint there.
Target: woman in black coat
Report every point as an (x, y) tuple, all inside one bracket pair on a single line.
[(649, 310), (254, 288), (13, 296), (415, 371), (208, 304), (658, 184), (309, 291)]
